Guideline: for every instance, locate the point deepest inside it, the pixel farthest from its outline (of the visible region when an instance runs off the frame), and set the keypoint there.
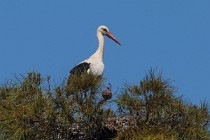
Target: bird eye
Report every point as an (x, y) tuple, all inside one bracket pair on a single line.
[(105, 30)]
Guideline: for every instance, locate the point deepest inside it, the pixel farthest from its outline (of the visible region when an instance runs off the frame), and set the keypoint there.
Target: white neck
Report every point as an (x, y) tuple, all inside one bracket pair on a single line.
[(100, 51)]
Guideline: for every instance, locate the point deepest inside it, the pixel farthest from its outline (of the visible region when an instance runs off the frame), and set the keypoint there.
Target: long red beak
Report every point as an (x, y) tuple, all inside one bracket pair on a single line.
[(113, 38)]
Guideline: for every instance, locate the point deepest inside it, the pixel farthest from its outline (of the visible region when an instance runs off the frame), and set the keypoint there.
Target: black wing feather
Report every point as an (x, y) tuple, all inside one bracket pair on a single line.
[(79, 69)]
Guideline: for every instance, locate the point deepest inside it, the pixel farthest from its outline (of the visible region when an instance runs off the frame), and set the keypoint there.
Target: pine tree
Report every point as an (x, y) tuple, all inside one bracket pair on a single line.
[(32, 109), (158, 113)]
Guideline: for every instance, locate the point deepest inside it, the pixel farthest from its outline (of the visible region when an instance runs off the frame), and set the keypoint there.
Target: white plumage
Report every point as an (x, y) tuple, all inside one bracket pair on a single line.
[(94, 63)]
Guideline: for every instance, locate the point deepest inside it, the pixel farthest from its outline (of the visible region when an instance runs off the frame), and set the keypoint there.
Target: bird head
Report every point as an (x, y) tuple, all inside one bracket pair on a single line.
[(105, 31)]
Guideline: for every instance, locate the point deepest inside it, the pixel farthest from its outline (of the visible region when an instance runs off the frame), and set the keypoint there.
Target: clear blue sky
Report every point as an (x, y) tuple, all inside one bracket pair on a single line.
[(52, 36)]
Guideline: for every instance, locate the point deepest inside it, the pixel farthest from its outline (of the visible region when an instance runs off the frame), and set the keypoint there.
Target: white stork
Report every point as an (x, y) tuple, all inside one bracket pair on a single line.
[(94, 63)]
